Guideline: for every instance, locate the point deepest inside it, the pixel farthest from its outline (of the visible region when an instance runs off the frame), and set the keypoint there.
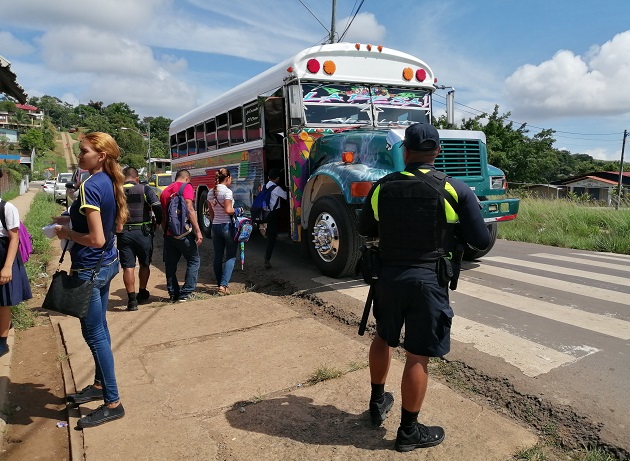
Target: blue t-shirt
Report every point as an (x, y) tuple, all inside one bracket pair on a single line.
[(97, 193)]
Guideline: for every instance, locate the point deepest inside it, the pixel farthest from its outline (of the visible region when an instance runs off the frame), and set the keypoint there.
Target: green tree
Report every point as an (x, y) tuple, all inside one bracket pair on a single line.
[(33, 139), (7, 106)]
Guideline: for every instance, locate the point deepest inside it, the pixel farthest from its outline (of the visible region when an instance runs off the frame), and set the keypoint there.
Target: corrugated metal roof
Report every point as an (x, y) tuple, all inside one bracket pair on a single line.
[(9, 84)]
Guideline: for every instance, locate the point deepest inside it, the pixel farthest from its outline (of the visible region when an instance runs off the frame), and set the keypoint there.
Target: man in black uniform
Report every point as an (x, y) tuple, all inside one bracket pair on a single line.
[(136, 238), (415, 214)]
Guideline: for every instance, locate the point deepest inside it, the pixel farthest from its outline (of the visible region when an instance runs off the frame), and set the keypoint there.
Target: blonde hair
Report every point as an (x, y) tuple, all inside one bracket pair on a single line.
[(102, 142)]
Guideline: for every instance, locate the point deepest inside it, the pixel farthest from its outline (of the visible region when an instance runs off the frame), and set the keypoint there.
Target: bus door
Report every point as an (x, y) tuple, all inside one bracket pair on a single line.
[(275, 151)]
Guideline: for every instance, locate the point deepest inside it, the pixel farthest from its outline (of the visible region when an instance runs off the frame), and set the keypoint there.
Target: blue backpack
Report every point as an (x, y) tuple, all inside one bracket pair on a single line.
[(260, 207), (177, 215)]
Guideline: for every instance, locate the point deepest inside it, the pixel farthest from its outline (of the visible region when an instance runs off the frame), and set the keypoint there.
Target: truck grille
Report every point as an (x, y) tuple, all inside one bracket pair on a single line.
[(459, 157)]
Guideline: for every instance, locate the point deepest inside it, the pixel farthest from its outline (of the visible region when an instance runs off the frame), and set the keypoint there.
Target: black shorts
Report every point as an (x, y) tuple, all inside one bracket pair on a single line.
[(134, 244), (413, 297)]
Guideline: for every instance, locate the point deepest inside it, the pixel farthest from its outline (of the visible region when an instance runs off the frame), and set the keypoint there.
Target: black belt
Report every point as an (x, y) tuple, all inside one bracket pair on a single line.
[(130, 227)]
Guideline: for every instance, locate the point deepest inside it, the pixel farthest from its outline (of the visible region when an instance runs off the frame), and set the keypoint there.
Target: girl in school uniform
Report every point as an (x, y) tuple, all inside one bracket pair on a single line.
[(14, 286)]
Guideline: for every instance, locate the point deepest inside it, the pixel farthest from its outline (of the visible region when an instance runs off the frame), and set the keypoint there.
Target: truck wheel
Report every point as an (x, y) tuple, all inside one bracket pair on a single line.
[(333, 239), (470, 254), (205, 225)]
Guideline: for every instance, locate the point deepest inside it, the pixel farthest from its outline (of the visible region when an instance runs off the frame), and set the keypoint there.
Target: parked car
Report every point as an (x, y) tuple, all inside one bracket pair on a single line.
[(49, 186), (160, 181), (72, 186), (60, 186)]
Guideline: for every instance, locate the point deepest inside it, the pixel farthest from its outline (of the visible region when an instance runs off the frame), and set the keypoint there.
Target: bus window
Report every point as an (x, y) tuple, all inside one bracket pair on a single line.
[(252, 121), (211, 134), (191, 144), (173, 146), (222, 130), (181, 144), (200, 138), (236, 126)]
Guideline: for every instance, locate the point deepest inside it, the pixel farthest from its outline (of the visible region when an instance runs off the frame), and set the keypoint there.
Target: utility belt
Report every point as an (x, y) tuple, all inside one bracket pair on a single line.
[(145, 227), (447, 270)]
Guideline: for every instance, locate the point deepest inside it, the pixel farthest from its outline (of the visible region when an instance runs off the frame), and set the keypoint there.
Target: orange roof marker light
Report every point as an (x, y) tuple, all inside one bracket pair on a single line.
[(407, 73), (369, 47), (313, 66), (330, 67), (379, 48), (347, 157), (357, 46)]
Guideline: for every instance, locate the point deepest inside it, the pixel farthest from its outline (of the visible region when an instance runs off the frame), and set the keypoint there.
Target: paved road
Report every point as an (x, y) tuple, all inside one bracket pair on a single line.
[(554, 321)]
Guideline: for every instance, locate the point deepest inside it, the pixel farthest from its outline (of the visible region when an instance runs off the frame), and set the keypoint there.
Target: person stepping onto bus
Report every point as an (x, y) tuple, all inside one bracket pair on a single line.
[(185, 245), (271, 232), (136, 239), (221, 210)]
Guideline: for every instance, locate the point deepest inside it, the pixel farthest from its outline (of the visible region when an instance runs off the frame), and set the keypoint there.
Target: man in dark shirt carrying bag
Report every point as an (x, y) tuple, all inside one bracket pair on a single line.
[(415, 214), (135, 241)]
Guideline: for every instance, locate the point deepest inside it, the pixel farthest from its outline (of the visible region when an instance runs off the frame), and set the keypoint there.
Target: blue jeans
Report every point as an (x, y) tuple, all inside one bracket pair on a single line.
[(95, 331), (223, 241), (174, 249)]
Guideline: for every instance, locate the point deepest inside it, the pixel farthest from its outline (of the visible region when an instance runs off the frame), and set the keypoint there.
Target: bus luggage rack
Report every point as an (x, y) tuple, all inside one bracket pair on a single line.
[(459, 157)]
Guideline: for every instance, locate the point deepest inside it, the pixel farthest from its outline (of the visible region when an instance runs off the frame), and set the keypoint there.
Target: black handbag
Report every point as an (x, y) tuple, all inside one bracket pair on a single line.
[(69, 295)]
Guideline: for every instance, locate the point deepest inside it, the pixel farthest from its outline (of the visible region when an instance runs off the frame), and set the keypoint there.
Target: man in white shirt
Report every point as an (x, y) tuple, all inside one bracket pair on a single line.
[(274, 209)]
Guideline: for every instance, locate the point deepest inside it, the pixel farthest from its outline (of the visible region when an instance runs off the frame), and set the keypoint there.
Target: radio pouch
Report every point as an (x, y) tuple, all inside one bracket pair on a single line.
[(444, 271), (369, 264)]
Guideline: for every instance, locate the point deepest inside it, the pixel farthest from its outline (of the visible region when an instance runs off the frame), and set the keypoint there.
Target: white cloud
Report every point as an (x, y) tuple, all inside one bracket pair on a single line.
[(365, 28), (14, 47), (569, 84)]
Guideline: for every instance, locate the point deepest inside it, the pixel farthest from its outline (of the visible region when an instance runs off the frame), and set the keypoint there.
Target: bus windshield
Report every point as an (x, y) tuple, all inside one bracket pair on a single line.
[(353, 104)]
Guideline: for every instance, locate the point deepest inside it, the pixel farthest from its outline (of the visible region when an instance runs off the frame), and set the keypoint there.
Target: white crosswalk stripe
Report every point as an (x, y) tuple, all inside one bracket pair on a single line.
[(530, 357), (561, 270), (622, 266)]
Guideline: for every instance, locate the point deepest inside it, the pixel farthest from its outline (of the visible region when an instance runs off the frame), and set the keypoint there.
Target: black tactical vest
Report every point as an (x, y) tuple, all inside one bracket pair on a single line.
[(138, 210), (412, 224)]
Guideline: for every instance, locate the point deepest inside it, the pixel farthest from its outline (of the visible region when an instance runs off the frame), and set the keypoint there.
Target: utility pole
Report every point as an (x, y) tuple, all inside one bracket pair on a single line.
[(620, 183), (332, 25)]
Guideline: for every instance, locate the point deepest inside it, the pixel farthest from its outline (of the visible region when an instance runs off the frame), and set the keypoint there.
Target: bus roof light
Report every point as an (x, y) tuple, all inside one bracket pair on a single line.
[(357, 46), (313, 66), (407, 73), (290, 69), (369, 47), (421, 75), (330, 67), (380, 48)]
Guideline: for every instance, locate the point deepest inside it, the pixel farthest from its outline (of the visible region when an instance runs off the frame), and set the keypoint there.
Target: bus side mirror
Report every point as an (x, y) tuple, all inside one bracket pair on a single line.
[(295, 105)]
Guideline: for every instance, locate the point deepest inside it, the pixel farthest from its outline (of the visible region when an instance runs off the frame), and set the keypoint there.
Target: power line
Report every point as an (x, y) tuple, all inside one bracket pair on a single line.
[(313, 14), (351, 21)]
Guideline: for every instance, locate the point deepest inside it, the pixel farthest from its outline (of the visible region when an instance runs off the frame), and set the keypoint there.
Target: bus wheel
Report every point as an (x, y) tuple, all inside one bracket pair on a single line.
[(202, 215), (333, 239), (471, 255)]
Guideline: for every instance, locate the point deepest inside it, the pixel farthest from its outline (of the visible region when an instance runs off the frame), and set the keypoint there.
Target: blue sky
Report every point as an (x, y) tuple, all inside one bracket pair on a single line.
[(559, 64)]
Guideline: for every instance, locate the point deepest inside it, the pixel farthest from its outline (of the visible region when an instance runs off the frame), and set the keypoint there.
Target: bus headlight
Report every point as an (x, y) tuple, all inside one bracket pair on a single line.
[(496, 182)]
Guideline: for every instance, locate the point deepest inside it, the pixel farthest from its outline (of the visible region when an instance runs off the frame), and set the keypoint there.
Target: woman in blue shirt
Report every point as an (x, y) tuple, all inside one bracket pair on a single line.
[(101, 205)]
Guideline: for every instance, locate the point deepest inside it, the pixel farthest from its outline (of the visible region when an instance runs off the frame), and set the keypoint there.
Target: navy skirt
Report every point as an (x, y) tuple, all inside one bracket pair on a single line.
[(18, 289)]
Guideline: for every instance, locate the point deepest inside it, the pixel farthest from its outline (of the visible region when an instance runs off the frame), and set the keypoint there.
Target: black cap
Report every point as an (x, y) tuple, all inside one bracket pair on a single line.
[(274, 173), (421, 137)]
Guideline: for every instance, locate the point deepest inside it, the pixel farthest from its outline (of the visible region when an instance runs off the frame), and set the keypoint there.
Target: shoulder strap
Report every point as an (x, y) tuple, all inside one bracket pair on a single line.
[(181, 189), (436, 176)]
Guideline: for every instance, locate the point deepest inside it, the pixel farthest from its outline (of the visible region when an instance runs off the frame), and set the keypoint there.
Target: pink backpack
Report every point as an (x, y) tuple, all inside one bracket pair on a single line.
[(25, 248)]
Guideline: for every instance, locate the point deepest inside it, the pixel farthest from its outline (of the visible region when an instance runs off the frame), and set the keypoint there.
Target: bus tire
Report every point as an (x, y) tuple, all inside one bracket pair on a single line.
[(332, 236), (205, 225), (471, 254)]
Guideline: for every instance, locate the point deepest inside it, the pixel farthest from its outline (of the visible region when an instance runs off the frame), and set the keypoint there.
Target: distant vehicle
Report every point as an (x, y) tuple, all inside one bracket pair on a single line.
[(72, 186), (60, 186), (72, 130), (161, 181), (49, 186)]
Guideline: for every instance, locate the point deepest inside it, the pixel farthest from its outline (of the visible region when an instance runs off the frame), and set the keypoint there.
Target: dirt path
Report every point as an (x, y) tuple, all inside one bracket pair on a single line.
[(68, 151)]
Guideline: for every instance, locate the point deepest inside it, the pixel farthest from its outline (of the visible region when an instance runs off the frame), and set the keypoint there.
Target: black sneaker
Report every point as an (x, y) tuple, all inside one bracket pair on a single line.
[(101, 415), (421, 437), (378, 411), (132, 305), (183, 298), (87, 394), (142, 296), (173, 298), (267, 265)]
